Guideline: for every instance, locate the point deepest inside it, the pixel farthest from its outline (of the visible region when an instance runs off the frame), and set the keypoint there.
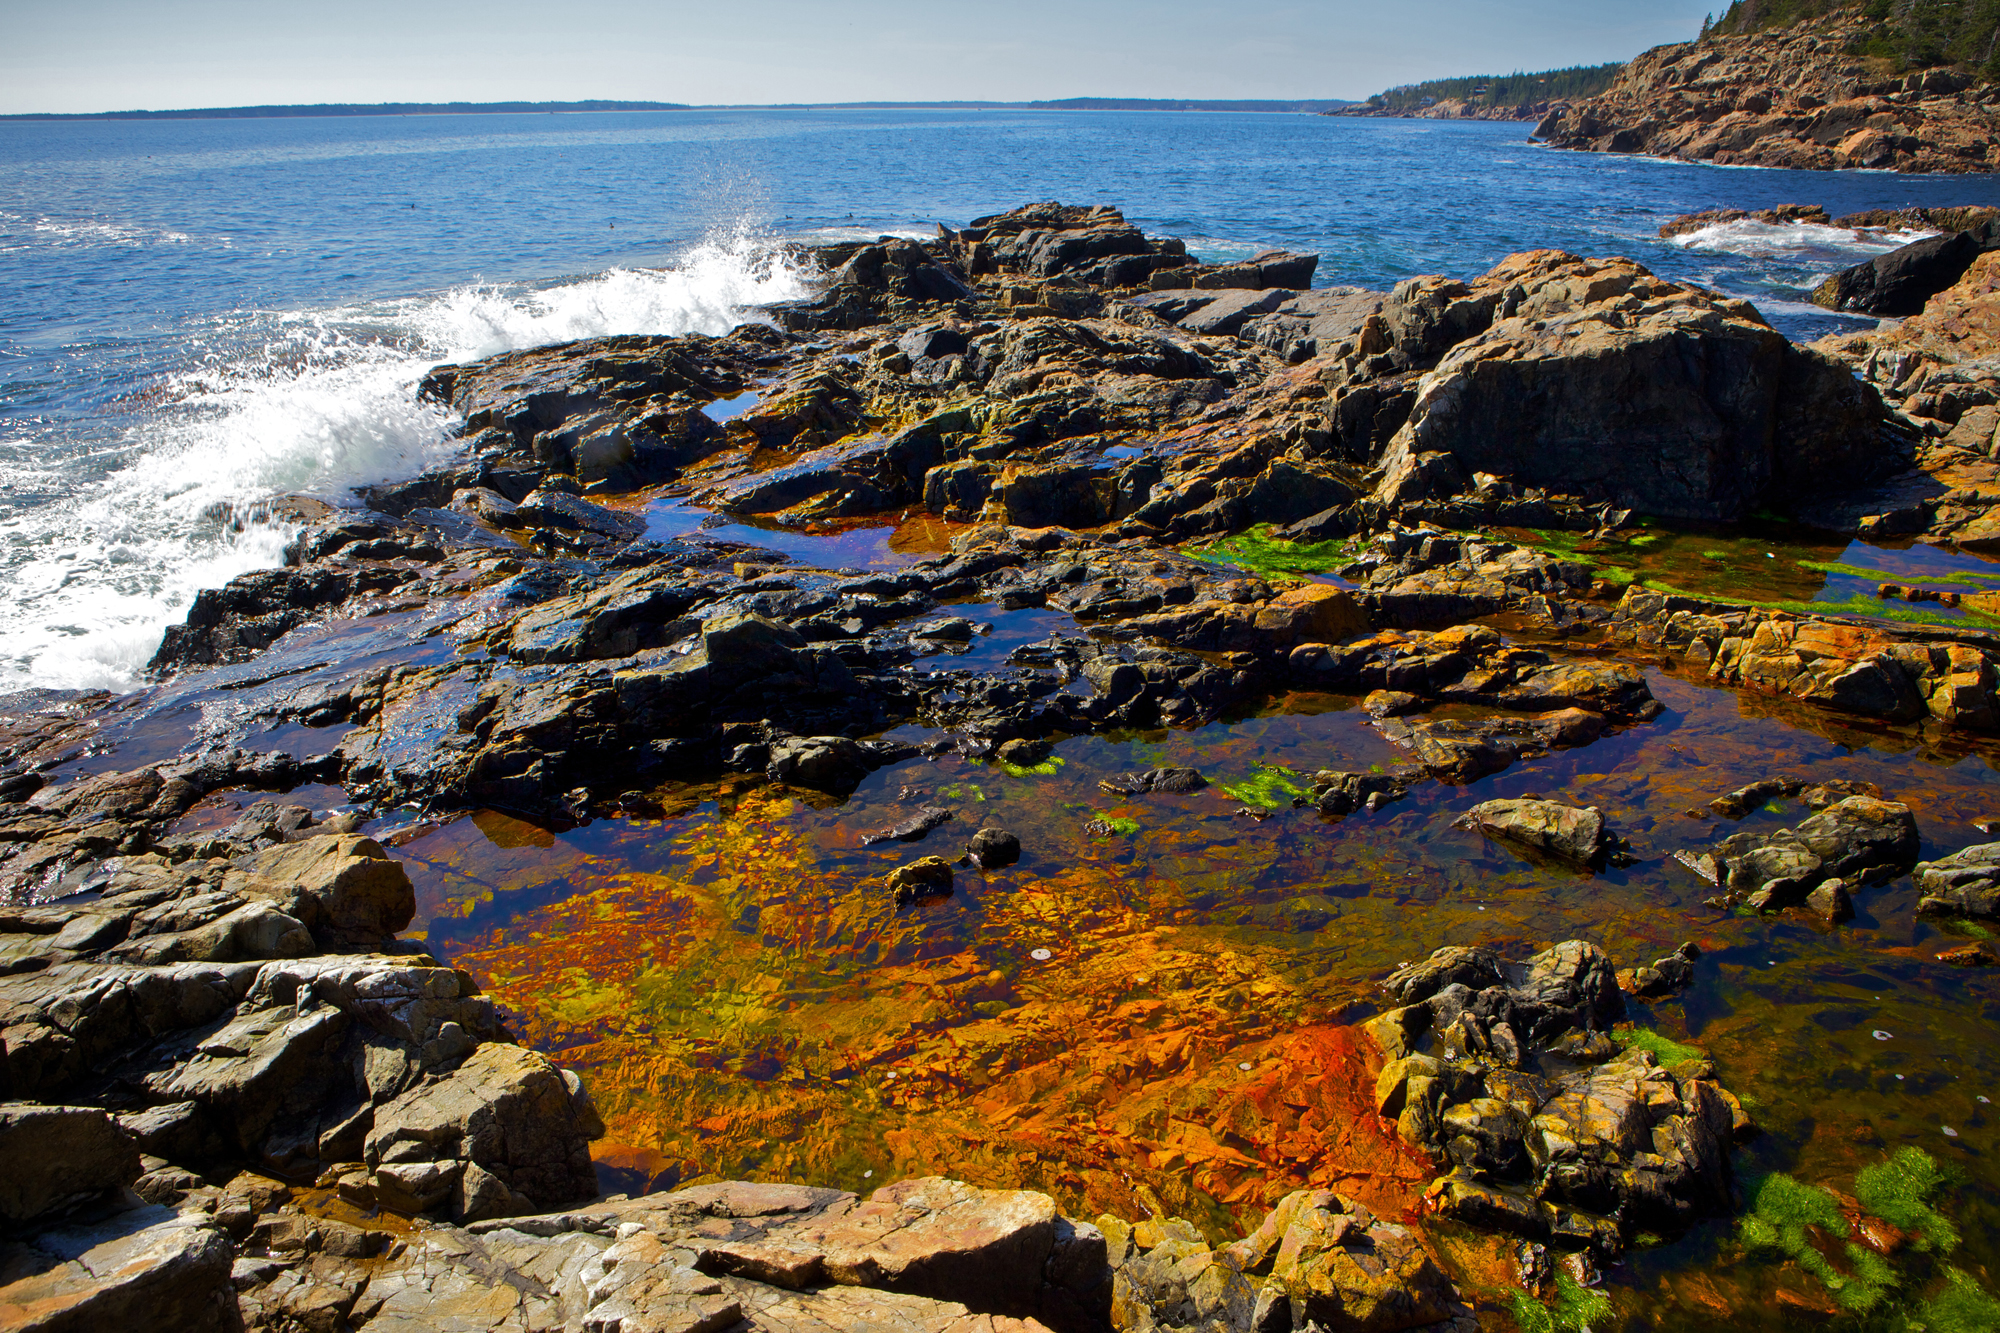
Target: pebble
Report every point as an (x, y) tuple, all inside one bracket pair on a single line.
[(1040, 955), (867, 1174), (1987, 1101), (1950, 1133), (1244, 1066), (1880, 1035)]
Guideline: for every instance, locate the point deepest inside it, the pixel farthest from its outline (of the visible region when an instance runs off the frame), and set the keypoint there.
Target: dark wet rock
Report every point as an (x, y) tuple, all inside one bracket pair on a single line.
[(1578, 835), (1175, 781), (993, 848), (1344, 793), (253, 611), (911, 829), (1024, 753), (1900, 282), (1859, 838), (929, 877), (1666, 976), (1964, 884), (55, 1157)]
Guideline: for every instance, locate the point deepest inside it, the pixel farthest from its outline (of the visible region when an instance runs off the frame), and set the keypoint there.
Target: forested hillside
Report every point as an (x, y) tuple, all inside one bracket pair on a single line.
[(1498, 90), (1915, 34)]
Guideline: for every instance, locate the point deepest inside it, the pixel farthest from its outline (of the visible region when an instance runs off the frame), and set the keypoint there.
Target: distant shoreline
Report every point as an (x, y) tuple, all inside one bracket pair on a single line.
[(346, 109)]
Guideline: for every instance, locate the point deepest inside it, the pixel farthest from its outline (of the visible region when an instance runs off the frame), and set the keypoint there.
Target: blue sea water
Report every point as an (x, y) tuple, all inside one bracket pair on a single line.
[(202, 314)]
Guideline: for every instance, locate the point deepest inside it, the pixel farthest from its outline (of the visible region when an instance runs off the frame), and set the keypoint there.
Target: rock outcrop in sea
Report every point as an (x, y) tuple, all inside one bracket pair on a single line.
[(1793, 97), (234, 1093)]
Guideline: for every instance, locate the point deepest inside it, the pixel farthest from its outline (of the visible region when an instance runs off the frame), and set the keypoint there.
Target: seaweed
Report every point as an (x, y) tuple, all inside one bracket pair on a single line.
[(1268, 789), (1045, 769), (1784, 1213), (1664, 1048), (1899, 1191), (1575, 1308), (1256, 551), (1963, 1306)]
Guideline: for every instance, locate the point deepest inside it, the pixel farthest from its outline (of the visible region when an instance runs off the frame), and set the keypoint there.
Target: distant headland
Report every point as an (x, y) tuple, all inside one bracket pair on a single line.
[(558, 108)]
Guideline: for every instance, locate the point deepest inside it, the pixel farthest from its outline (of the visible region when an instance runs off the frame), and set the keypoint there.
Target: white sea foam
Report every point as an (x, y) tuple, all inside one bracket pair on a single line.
[(1793, 240), (313, 403)]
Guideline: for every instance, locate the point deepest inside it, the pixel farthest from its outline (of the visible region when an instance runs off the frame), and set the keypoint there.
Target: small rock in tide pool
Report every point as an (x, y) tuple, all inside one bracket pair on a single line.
[(1880, 1035), (1977, 954), (1022, 753), (930, 877), (1244, 1065), (992, 848), (1830, 900), (1040, 955), (1949, 1132), (1173, 781), (1390, 703)]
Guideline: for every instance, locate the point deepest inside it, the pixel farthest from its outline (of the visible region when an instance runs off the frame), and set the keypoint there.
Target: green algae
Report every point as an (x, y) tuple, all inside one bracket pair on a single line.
[(1664, 1048), (1785, 1213), (1256, 551), (1965, 577), (1046, 769), (1575, 1308), (1963, 1306), (1899, 1191), (1270, 788), (1119, 825)]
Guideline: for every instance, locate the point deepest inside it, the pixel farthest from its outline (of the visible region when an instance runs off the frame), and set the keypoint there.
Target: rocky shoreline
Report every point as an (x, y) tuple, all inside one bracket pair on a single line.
[(235, 1096), (1792, 97)]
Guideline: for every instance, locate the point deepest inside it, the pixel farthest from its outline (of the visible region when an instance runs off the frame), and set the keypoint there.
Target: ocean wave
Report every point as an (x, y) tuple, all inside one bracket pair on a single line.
[(18, 232), (1804, 241), (313, 403)]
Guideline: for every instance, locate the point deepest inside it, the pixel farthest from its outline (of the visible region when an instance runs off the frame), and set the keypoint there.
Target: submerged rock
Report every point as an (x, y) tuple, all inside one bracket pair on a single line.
[(1964, 884), (1174, 781), (1857, 838)]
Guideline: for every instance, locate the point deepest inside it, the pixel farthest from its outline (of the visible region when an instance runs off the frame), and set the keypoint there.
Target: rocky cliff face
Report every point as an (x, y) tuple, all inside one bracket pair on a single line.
[(1790, 97)]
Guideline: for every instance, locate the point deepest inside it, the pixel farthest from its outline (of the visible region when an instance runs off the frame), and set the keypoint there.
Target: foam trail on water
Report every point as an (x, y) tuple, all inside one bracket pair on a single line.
[(312, 403), (1794, 240)]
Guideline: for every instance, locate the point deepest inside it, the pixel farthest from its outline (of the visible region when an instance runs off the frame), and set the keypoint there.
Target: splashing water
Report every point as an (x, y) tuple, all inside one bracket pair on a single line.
[(107, 541)]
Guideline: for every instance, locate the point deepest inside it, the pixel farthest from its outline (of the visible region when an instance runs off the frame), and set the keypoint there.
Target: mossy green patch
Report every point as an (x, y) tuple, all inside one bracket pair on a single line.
[(1256, 551), (1664, 1048), (1269, 788), (1045, 769), (1120, 825), (1963, 1306), (1899, 1192), (1575, 1308)]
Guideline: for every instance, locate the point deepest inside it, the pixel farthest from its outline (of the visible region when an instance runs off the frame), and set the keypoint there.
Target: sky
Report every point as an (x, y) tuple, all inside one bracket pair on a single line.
[(106, 55)]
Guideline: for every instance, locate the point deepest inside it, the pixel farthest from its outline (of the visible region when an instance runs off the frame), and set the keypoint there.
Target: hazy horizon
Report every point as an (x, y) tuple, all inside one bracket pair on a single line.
[(97, 56)]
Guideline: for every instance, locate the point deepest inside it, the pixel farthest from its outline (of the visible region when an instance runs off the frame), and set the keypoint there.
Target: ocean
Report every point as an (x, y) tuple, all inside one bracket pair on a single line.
[(201, 315)]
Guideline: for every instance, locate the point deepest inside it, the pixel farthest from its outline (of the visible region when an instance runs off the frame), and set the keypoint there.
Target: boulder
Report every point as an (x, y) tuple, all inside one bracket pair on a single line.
[(1565, 832), (54, 1156), (508, 1111), (993, 848), (347, 888), (1715, 414), (1900, 282)]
